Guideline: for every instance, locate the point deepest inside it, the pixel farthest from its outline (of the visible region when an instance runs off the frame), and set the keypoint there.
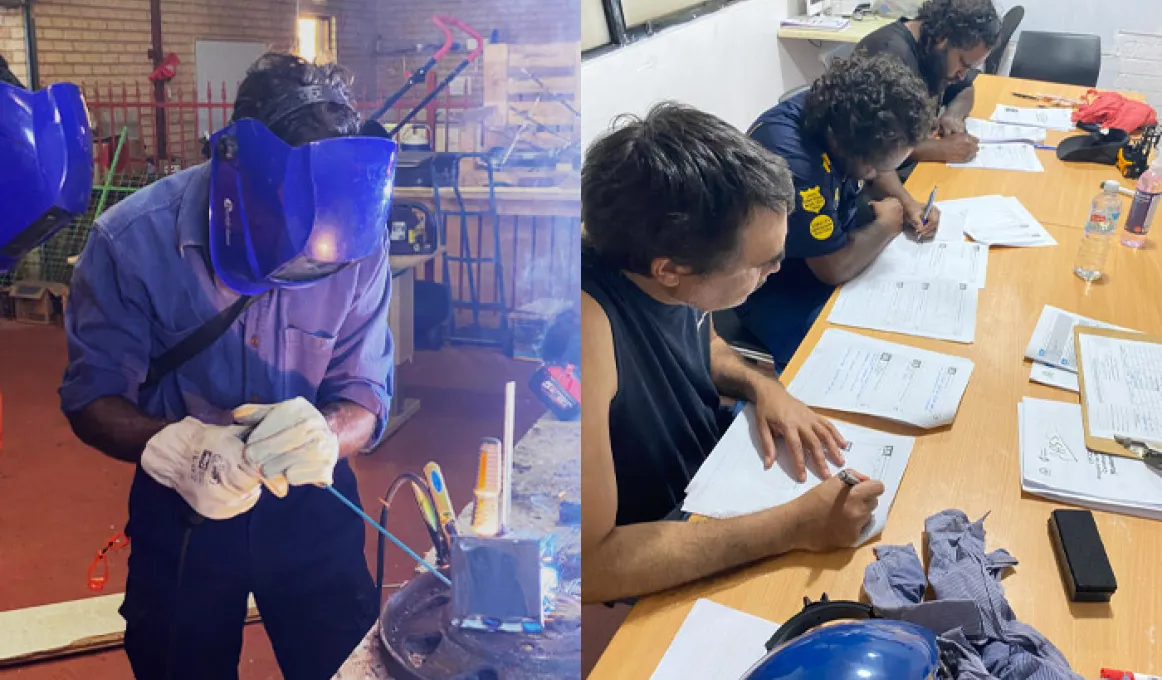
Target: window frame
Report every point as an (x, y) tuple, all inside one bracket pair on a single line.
[(620, 35)]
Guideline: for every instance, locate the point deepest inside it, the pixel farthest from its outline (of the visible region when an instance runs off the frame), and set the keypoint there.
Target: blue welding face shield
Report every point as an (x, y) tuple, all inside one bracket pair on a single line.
[(285, 217), (857, 650), (46, 165)]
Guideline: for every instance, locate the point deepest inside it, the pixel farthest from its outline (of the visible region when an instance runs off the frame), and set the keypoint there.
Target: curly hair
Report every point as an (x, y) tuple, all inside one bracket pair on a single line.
[(7, 76), (679, 184), (964, 23), (872, 106), (276, 75)]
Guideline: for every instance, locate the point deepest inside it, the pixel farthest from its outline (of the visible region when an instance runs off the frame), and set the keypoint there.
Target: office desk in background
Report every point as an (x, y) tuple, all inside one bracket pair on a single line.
[(973, 465), (857, 30)]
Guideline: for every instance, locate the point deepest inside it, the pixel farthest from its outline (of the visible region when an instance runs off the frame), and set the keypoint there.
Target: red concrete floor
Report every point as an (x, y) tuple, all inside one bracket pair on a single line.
[(60, 501)]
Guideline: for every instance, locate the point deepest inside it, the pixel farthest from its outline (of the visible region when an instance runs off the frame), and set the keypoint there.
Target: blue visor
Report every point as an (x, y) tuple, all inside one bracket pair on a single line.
[(46, 165), (285, 217)]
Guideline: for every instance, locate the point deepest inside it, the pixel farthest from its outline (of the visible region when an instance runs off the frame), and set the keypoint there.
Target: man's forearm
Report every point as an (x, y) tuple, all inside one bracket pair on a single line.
[(639, 559), (863, 246), (961, 105), (115, 427), (731, 374), (889, 185), (352, 424)]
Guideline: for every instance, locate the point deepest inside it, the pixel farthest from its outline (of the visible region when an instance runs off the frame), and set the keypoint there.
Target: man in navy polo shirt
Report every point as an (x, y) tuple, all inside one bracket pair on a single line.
[(860, 119)]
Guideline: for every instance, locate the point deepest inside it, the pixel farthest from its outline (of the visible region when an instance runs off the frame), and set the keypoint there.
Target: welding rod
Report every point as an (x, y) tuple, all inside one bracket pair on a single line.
[(506, 471), (385, 532)]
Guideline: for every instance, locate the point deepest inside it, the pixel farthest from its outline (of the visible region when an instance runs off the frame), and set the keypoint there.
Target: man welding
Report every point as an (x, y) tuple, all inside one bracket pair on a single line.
[(227, 330), (859, 121)]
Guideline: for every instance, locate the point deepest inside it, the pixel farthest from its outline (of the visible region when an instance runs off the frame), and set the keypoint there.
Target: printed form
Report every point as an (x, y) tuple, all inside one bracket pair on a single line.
[(1056, 464), (854, 373), (939, 260), (989, 132), (943, 310), (732, 481), (1003, 221), (1123, 387), (1052, 119), (1004, 156), (1052, 350)]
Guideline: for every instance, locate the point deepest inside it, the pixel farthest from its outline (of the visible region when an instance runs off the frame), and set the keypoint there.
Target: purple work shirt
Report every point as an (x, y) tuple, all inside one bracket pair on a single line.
[(144, 282)]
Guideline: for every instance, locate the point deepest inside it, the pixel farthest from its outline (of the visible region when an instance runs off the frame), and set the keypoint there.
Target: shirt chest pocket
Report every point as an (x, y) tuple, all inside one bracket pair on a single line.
[(305, 360)]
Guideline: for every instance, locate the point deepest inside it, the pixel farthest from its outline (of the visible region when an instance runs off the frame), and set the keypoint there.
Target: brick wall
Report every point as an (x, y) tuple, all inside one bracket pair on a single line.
[(12, 42), (1140, 65)]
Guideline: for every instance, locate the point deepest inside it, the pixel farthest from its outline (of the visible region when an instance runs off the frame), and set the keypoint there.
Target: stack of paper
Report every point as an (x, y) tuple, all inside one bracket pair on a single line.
[(1055, 464), (943, 310), (1051, 119), (1004, 156), (819, 23), (989, 132), (715, 642), (732, 481), (858, 374), (1051, 347), (999, 221)]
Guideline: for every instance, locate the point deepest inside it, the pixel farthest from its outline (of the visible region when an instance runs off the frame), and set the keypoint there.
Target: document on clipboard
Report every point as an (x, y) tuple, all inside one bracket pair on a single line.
[(1121, 387)]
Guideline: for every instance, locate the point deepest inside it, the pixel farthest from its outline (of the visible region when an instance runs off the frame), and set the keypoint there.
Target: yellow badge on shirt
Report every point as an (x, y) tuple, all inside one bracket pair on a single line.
[(822, 228), (827, 164), (813, 200)]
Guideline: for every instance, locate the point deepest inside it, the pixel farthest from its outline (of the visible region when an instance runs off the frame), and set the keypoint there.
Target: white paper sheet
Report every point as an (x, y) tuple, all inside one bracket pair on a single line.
[(952, 224), (943, 310), (1002, 156), (732, 481), (715, 641), (1002, 221), (1049, 118), (937, 260), (1054, 377), (1056, 464), (1052, 341), (989, 132), (1123, 387), (851, 372)]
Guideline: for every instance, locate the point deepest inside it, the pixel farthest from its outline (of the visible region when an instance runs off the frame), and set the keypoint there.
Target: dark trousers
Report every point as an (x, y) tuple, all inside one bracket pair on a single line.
[(189, 578)]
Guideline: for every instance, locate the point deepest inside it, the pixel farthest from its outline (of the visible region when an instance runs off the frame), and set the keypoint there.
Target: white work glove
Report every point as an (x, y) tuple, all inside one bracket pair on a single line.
[(290, 440), (204, 464)]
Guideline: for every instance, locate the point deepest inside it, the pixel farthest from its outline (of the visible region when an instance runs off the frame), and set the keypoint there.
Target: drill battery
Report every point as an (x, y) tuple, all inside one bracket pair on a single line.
[(559, 389)]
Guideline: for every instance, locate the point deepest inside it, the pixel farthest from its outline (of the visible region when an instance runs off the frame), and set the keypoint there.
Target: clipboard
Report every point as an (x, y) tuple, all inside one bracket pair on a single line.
[(1091, 442)]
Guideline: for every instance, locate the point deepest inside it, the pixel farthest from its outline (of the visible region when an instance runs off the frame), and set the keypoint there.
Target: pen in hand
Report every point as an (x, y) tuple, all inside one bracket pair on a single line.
[(928, 207)]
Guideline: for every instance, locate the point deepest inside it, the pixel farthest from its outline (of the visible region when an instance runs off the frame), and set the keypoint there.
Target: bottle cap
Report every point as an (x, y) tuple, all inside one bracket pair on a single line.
[(1111, 185)]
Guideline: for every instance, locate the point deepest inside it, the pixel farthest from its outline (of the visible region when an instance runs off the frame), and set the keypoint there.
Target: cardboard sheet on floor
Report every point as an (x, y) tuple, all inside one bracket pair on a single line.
[(55, 630)]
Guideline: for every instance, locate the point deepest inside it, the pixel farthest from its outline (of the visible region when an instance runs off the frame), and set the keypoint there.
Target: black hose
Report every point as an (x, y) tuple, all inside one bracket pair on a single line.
[(191, 520), (387, 498)]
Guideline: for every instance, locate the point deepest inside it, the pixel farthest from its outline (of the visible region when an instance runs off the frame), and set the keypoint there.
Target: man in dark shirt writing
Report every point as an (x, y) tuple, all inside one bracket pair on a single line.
[(944, 45)]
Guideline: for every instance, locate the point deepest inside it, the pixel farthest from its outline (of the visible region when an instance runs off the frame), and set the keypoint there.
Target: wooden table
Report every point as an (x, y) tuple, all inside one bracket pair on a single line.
[(1060, 195), (973, 466), (855, 31)]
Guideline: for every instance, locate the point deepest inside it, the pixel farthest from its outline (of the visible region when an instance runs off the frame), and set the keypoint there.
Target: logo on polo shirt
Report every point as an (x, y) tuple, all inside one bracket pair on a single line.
[(813, 200), (822, 228)]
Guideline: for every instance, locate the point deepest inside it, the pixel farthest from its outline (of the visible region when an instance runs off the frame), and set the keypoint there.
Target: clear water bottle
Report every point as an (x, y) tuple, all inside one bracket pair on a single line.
[(1145, 206), (1099, 232)]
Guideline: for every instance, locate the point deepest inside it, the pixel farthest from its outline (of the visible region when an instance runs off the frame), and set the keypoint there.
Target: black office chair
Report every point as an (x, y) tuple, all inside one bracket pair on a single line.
[(1067, 58), (1009, 25), (728, 326), (794, 91)]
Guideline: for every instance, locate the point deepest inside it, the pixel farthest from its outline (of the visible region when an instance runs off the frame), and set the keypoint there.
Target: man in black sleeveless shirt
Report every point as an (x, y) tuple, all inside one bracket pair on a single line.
[(685, 215)]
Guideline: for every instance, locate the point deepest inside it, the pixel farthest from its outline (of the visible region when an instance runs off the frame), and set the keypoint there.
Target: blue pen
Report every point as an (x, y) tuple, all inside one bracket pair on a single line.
[(928, 208), (1043, 147)]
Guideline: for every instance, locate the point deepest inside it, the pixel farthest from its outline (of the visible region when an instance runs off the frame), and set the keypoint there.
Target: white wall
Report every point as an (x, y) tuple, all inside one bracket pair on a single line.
[(1104, 18), (729, 63)]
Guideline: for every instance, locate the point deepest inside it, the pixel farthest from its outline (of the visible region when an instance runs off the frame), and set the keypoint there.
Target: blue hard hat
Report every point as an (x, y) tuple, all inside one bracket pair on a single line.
[(285, 217), (46, 165), (857, 650)]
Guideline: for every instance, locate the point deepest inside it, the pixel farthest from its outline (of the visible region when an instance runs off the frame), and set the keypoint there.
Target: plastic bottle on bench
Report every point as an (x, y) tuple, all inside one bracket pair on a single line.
[(1099, 233), (1145, 206)]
